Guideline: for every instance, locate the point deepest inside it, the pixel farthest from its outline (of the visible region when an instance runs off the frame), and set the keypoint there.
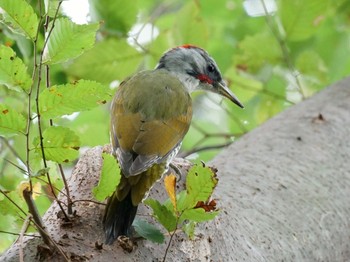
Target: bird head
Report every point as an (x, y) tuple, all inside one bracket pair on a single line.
[(196, 70)]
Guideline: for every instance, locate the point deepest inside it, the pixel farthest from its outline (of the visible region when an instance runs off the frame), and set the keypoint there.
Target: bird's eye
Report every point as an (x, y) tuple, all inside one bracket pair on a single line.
[(210, 68)]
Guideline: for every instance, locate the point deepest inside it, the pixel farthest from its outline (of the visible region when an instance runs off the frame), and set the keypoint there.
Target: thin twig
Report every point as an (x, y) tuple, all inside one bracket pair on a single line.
[(13, 202), (17, 234), (170, 241), (282, 43), (13, 151), (29, 118), (17, 166), (203, 148), (48, 84), (69, 199), (88, 200), (37, 103)]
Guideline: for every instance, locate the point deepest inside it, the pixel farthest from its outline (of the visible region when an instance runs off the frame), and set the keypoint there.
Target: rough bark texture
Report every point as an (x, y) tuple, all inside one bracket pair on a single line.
[(284, 192)]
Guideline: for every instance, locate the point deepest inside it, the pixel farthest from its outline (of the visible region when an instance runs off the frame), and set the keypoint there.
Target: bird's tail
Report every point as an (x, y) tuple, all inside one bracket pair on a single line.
[(118, 217)]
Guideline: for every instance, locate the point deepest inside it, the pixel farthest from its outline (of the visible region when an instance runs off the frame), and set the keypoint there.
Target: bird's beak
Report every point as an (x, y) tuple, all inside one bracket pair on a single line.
[(226, 92)]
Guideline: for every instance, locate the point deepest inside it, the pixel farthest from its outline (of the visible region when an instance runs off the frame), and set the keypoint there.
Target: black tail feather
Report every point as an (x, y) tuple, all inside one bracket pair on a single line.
[(118, 217)]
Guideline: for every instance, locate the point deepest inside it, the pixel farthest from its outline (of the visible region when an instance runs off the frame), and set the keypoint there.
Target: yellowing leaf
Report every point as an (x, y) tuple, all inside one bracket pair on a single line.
[(170, 184), (11, 122), (13, 72), (26, 185), (73, 97)]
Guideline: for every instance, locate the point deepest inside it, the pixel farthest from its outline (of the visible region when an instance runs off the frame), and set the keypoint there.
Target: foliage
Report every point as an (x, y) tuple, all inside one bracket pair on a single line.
[(190, 206), (110, 178), (57, 78)]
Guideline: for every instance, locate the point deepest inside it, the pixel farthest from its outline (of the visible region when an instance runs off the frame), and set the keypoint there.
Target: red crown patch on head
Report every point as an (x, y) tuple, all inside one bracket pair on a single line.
[(188, 46)]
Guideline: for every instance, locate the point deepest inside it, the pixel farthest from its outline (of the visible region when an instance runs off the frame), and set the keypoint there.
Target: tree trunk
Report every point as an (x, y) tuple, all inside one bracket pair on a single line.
[(283, 191)]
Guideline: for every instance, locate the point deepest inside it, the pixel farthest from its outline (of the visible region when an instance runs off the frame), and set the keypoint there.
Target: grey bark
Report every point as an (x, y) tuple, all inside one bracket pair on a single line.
[(283, 191)]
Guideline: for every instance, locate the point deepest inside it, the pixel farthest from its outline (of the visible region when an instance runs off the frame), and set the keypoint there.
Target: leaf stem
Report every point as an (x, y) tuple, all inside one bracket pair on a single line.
[(285, 52), (48, 31)]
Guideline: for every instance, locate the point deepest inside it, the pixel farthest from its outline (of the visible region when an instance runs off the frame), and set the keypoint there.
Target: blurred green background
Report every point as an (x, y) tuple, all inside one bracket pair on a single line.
[(272, 53)]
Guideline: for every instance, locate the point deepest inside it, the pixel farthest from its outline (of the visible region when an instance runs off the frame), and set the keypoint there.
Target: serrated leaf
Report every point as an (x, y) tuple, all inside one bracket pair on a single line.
[(200, 184), (60, 144), (11, 122), (162, 214), (148, 231), (118, 18), (20, 17), (301, 19), (170, 185), (198, 215), (107, 61), (13, 73), (68, 40), (66, 99), (109, 179)]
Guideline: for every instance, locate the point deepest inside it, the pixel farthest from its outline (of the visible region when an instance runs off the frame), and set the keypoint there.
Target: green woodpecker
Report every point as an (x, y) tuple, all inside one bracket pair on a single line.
[(150, 115)]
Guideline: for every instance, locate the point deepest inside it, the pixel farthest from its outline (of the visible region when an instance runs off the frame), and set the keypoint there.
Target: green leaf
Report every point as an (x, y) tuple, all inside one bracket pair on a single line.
[(110, 178), (197, 33), (108, 61), (267, 107), (42, 172), (118, 16), (87, 129), (188, 228), (148, 231), (78, 96), (20, 17), (13, 73), (60, 144), (162, 214), (68, 40), (200, 183), (310, 63), (11, 122), (51, 7), (198, 215), (244, 87), (301, 19), (7, 207), (256, 50)]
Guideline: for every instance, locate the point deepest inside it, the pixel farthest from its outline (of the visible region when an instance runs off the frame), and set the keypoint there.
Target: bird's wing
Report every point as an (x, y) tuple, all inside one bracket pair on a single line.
[(149, 120)]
